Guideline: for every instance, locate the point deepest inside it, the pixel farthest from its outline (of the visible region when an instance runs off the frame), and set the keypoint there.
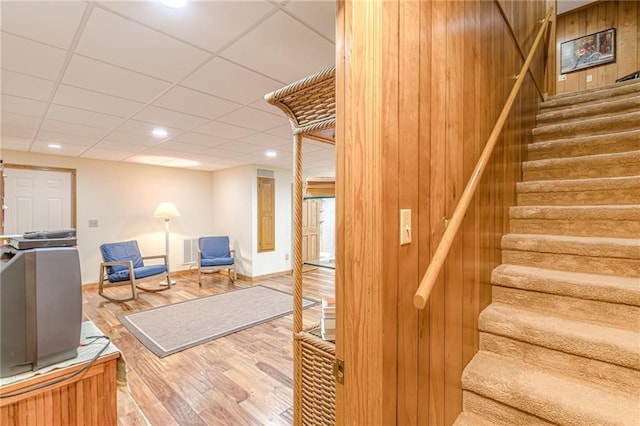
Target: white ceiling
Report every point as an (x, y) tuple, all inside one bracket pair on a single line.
[(97, 77)]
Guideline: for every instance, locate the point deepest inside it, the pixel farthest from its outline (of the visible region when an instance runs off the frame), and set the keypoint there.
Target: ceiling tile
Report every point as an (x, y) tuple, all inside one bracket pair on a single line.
[(17, 84), (15, 143), (108, 79), (222, 78), (66, 138), (282, 131), (209, 25), (106, 154), (65, 149), (19, 120), (223, 130), (133, 138), (193, 138), (183, 147), (119, 146), (319, 15), (282, 40), (119, 41), (50, 22), (20, 132), (94, 101), (265, 106), (169, 118), (73, 129), (266, 140), (196, 103), (240, 147), (22, 106), (220, 153), (31, 58), (146, 130), (80, 116), (253, 119)]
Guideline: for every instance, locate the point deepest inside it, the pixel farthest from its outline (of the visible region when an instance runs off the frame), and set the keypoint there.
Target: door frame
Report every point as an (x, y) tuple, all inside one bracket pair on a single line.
[(72, 172)]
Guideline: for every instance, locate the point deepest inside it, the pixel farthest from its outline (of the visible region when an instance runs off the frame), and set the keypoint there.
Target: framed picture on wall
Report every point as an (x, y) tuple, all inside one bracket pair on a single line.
[(588, 51)]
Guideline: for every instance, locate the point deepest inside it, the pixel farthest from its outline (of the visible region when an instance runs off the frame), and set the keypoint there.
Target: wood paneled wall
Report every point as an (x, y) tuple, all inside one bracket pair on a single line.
[(419, 87), (624, 16)]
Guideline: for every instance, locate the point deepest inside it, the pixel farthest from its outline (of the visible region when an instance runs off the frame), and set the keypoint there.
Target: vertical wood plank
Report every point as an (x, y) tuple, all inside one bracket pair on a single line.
[(424, 196), (407, 143), (438, 118), (454, 186), (627, 60)]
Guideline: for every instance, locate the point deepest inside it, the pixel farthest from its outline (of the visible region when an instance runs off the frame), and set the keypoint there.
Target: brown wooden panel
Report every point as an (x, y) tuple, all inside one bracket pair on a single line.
[(442, 71), (266, 214), (622, 15)]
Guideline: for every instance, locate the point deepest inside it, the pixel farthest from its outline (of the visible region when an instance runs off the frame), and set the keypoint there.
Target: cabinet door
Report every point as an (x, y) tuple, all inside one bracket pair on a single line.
[(310, 229)]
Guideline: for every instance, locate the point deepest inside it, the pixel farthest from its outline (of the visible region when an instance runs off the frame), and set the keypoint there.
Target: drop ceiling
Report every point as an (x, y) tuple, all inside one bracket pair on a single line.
[(96, 78)]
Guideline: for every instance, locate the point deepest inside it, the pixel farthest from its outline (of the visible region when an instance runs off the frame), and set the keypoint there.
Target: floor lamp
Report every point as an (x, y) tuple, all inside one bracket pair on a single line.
[(166, 210)]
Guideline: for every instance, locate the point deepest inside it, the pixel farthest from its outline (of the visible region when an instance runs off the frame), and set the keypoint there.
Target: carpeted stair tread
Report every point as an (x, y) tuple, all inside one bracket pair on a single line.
[(487, 410), (592, 311), (590, 95), (606, 108), (621, 221), (585, 145), (590, 126), (590, 166), (595, 255), (552, 397), (622, 248), (590, 191), (604, 343), (470, 419), (601, 374), (606, 288)]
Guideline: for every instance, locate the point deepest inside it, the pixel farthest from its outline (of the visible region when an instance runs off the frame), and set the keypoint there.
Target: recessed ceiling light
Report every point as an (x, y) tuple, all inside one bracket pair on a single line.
[(174, 4), (271, 154), (54, 146), (159, 133)]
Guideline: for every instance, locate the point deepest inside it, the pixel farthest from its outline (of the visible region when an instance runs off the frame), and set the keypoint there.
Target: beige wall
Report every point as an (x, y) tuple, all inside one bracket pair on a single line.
[(122, 197), (624, 16)]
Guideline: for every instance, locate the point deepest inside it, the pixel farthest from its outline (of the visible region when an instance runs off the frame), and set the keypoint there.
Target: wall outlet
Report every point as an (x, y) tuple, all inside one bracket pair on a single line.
[(562, 77), (286, 256), (93, 223), (589, 78)]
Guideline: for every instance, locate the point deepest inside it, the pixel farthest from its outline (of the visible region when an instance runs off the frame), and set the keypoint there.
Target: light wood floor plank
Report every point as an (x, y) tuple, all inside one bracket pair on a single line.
[(241, 379)]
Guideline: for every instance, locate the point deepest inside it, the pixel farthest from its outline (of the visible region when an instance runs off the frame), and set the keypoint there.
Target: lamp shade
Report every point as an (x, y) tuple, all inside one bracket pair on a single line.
[(166, 209)]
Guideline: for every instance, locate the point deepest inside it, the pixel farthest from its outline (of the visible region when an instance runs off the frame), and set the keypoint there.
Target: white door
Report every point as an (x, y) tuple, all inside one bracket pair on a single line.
[(36, 200)]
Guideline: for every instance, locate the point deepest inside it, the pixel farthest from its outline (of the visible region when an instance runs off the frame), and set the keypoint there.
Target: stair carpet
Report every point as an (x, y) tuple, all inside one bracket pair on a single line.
[(560, 342)]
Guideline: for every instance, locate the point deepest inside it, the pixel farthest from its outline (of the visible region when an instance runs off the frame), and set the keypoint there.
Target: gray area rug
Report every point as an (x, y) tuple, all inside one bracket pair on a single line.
[(169, 329)]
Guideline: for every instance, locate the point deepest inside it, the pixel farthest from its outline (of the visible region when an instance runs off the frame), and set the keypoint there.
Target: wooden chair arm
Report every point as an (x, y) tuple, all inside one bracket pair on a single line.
[(158, 256), (117, 262)]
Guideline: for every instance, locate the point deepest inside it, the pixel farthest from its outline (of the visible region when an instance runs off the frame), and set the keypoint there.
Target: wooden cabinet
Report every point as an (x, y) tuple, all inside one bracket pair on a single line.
[(310, 106)]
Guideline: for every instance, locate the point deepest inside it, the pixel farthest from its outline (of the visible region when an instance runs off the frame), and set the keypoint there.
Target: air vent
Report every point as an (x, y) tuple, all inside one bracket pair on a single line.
[(265, 173), (190, 251)]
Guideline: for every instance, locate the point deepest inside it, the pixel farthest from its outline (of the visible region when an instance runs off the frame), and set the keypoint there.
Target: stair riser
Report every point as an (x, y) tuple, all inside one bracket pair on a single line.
[(623, 196), (610, 108), (577, 227), (583, 170), (549, 332), (496, 413), (572, 262), (591, 145), (602, 374), (597, 312), (568, 100), (619, 123), (579, 285)]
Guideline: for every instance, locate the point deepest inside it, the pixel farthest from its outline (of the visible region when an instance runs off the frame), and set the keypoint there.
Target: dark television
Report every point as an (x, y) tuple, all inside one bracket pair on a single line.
[(40, 307)]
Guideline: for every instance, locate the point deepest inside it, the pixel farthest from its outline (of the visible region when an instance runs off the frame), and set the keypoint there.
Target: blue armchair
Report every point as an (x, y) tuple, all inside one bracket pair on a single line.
[(214, 255), (124, 265)]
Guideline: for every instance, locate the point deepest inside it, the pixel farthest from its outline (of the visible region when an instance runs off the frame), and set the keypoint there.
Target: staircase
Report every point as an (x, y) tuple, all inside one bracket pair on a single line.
[(560, 342)]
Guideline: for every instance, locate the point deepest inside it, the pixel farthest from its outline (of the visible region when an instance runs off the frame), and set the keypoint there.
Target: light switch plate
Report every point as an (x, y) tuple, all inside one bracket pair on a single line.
[(93, 223), (405, 226)]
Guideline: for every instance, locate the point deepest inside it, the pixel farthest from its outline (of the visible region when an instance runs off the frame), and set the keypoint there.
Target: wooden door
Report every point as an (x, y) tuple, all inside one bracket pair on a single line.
[(310, 230), (266, 214)]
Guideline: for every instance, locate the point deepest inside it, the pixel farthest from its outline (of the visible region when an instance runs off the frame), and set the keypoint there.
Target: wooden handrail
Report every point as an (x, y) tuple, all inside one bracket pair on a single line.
[(442, 251)]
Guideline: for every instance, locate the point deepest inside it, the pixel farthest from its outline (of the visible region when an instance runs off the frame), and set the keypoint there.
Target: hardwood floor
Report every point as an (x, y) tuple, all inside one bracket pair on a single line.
[(241, 379)]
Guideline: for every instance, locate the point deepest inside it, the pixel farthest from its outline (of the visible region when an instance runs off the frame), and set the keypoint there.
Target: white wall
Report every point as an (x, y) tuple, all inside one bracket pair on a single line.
[(235, 209), (123, 197)]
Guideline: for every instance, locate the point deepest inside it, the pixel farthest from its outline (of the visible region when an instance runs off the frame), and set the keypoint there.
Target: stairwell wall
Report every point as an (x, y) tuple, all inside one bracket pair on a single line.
[(624, 16), (419, 86)]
